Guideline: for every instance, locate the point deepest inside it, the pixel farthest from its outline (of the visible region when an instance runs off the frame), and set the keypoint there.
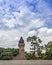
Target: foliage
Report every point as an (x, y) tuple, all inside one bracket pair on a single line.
[(29, 56), (39, 51), (48, 54), (31, 39), (35, 42), (15, 52), (7, 54)]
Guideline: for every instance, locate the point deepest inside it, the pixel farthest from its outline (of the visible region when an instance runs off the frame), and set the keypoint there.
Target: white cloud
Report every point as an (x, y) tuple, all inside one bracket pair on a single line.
[(49, 32), (24, 18), (35, 24), (45, 34), (9, 22), (43, 31), (32, 33), (9, 38), (12, 21)]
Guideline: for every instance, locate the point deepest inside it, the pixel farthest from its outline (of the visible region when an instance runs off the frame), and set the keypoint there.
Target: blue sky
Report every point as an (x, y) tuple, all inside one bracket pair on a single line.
[(25, 18)]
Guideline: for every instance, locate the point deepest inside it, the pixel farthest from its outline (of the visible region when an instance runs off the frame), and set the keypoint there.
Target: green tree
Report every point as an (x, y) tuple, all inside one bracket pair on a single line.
[(48, 54), (1, 50), (6, 56), (29, 56), (8, 53), (15, 52), (35, 43)]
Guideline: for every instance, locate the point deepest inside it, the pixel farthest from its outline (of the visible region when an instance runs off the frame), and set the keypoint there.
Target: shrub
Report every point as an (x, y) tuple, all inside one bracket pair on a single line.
[(6, 56)]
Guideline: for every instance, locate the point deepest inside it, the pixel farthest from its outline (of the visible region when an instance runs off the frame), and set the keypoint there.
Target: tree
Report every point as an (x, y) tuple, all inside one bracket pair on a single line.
[(6, 55), (49, 46), (35, 43), (1, 50), (15, 52), (48, 54), (29, 56)]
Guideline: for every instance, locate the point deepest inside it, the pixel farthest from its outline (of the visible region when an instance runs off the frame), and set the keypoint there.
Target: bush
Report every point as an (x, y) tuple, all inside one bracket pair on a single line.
[(15, 52), (7, 54), (29, 56)]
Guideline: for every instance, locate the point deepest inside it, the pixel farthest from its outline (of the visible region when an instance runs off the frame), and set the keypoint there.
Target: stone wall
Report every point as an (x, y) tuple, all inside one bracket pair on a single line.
[(26, 62)]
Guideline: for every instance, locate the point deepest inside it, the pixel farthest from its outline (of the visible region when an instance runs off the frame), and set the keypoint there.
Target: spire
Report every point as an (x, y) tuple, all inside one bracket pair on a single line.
[(21, 40)]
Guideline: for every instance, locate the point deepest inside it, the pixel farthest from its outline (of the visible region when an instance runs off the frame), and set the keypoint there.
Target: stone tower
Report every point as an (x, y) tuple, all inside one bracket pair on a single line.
[(21, 46)]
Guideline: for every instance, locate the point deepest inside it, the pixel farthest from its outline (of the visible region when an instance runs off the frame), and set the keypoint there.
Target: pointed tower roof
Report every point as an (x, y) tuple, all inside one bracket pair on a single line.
[(21, 42)]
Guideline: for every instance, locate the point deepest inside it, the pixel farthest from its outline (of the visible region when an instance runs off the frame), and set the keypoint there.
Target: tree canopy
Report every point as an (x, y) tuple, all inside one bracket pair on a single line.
[(8, 53)]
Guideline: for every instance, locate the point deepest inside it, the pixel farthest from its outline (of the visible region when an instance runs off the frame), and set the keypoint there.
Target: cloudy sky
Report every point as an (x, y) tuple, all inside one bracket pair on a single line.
[(25, 18)]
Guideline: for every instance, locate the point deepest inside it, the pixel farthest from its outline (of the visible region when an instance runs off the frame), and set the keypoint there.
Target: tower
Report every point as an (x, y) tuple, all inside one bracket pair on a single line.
[(21, 46)]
